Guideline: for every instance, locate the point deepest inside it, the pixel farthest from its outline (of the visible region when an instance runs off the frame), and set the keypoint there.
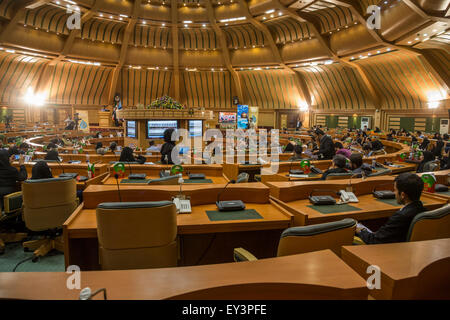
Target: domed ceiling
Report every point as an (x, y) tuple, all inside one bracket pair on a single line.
[(275, 54)]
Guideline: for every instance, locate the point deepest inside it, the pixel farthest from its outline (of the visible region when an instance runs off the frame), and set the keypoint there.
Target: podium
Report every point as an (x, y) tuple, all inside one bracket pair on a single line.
[(104, 119)]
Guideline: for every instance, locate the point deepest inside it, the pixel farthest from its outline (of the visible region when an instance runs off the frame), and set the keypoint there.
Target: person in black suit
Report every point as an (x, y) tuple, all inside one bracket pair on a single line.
[(326, 150), (9, 175), (167, 147), (339, 164), (408, 189)]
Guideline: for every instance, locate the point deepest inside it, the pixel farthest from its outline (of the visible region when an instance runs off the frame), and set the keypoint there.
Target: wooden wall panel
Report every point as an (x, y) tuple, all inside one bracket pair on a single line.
[(151, 36), (271, 89), (244, 36), (198, 38), (286, 29), (212, 90), (336, 87), (142, 86), (17, 73), (71, 83), (103, 30), (330, 16), (402, 80)]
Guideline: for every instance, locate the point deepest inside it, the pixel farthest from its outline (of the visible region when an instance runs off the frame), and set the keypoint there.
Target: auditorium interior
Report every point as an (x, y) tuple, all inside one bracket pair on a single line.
[(224, 149)]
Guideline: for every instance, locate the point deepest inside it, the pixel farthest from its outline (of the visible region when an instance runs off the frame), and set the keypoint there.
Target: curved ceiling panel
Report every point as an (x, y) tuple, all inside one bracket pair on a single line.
[(244, 36), (202, 59), (303, 51), (336, 87), (143, 86), (330, 16), (212, 90), (263, 89), (198, 38), (47, 18), (103, 30), (434, 5), (151, 36), (343, 42), (402, 80), (287, 30), (17, 74), (6, 8)]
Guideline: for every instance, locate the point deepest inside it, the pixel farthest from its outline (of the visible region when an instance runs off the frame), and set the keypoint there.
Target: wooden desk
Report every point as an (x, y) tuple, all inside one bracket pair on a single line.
[(303, 276), (195, 231), (293, 196), (410, 270)]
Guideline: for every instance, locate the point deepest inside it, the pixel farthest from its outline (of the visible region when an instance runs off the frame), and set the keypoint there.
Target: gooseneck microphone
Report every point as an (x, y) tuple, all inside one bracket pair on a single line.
[(220, 193), (118, 188)]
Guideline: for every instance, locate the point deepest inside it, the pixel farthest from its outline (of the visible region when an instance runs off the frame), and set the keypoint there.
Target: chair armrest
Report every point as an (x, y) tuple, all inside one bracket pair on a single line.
[(12, 202), (240, 254)]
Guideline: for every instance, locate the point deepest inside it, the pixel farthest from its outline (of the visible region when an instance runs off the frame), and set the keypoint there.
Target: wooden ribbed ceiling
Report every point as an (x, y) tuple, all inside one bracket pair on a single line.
[(293, 42)]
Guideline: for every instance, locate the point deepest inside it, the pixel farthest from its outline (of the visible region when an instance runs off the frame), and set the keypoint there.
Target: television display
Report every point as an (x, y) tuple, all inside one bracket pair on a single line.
[(131, 129), (195, 128), (156, 128), (227, 117)]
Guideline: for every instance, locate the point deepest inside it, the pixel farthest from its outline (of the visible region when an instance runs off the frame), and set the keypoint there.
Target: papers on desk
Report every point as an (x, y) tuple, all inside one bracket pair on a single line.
[(395, 165), (308, 153), (298, 176), (148, 163)]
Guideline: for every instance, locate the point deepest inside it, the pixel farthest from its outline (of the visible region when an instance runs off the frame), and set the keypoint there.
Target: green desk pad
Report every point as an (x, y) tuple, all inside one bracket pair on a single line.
[(140, 181), (310, 175), (334, 208), (248, 214), (198, 181)]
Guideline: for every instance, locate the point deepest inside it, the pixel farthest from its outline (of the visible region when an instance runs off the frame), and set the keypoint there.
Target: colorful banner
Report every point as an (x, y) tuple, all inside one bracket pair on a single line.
[(253, 117), (83, 123), (242, 117)]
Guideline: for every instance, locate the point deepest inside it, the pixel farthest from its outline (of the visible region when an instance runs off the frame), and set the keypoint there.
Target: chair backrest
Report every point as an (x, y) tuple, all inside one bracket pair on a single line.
[(47, 203), (381, 172), (242, 177), (169, 180), (135, 235), (430, 225), (339, 176), (430, 166), (330, 235), (12, 202)]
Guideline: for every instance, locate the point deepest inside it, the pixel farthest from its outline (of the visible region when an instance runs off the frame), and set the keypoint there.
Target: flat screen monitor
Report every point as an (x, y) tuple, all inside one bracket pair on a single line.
[(156, 128), (195, 128), (131, 129), (227, 117)]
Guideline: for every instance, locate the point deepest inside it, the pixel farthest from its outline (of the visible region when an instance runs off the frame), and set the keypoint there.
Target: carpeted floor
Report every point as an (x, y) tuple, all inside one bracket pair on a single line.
[(14, 254)]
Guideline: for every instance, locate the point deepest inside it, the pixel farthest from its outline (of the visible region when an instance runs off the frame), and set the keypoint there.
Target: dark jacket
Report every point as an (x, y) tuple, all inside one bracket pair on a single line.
[(166, 150), (326, 148), (396, 228), (377, 145), (9, 176), (334, 170)]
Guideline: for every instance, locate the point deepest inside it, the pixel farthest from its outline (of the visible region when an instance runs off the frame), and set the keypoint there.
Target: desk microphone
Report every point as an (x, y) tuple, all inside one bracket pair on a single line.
[(72, 175), (116, 176), (294, 171), (232, 205)]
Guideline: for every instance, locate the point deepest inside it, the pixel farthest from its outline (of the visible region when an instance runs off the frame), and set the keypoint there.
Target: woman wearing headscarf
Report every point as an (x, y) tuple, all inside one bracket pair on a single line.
[(41, 170), (9, 176), (427, 157), (424, 144), (167, 147), (437, 150), (52, 155), (128, 156)]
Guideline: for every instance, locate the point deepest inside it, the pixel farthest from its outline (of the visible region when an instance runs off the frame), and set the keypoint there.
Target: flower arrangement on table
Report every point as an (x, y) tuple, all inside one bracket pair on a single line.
[(166, 102)]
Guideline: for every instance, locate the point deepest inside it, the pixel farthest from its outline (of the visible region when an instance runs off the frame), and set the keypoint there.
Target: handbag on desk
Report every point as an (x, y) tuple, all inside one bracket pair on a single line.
[(383, 194), (322, 200)]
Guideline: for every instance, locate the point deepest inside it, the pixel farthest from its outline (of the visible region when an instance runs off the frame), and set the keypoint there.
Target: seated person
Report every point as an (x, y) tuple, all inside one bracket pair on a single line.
[(297, 153), (12, 151), (289, 148), (52, 155), (377, 145), (167, 147), (358, 166), (438, 148), (424, 144), (152, 146), (113, 147), (339, 163), (377, 130), (341, 150), (41, 170), (52, 146), (408, 189), (9, 175), (127, 155), (23, 148), (99, 148), (427, 157), (420, 135), (367, 149)]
